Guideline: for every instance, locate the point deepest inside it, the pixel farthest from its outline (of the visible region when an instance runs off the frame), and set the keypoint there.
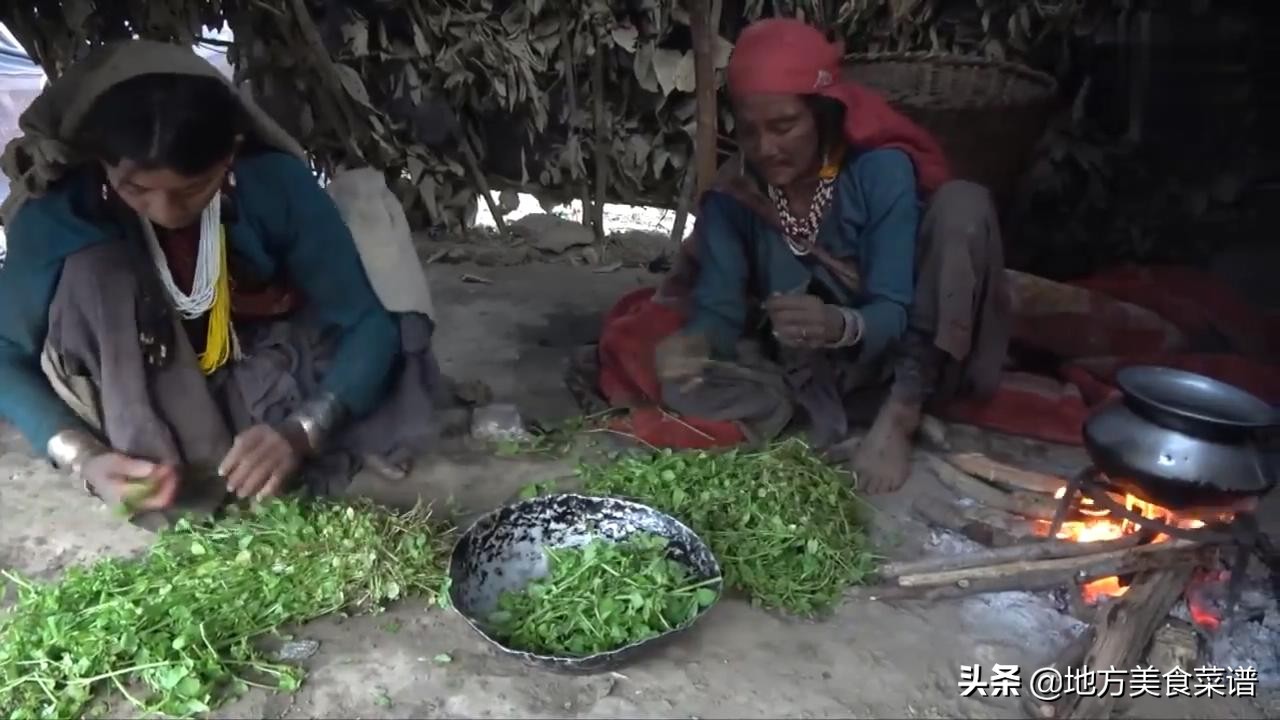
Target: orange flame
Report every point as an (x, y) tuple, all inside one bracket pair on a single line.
[(1096, 525)]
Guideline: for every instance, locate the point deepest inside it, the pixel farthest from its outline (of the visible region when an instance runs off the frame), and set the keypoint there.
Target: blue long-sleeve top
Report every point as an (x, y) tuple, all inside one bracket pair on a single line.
[(872, 221), (285, 223)]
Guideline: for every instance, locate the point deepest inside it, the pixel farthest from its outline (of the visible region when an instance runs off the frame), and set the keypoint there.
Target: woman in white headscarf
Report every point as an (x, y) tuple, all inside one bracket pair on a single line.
[(183, 303)]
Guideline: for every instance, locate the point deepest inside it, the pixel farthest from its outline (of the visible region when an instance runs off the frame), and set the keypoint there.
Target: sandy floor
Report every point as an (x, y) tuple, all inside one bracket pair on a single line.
[(868, 660)]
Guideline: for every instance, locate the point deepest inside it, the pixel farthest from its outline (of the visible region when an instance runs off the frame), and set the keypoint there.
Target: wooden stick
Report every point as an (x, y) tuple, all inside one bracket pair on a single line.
[(942, 514), (1071, 657), (1124, 631), (571, 97), (703, 26), (1140, 77), (329, 74), (682, 208), (601, 150), (21, 24), (477, 177), (1034, 580), (984, 468), (1081, 567), (1021, 503), (1039, 550)]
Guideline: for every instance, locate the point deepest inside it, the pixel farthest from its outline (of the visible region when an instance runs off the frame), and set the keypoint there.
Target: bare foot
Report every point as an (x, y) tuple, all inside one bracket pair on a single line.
[(386, 469), (883, 458)]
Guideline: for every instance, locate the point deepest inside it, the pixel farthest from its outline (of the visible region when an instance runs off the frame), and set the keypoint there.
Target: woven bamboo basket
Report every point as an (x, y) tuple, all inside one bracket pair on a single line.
[(987, 114)]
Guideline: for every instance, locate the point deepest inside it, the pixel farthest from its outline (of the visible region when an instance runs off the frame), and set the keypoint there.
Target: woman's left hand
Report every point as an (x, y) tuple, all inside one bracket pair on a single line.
[(260, 462), (804, 321)]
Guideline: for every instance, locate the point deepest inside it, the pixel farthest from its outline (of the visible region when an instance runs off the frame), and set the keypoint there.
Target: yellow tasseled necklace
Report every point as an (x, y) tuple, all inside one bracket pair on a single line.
[(220, 340)]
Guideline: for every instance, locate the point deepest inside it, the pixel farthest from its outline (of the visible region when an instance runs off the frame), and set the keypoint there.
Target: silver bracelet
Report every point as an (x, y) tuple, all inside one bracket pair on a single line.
[(71, 449), (853, 327), (318, 418)]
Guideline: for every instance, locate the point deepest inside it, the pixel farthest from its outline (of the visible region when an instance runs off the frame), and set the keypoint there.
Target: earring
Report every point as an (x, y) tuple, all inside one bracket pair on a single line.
[(828, 170), (105, 191)]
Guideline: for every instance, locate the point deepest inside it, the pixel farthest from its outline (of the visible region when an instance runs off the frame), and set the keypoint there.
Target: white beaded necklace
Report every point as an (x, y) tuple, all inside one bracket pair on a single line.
[(208, 263)]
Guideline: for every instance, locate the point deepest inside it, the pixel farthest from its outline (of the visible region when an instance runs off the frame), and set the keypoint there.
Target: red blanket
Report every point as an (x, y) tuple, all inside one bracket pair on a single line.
[(1129, 316)]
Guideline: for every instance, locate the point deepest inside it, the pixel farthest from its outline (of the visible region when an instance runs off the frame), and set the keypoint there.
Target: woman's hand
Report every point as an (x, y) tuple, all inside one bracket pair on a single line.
[(261, 460), (804, 321), (681, 358), (116, 479)]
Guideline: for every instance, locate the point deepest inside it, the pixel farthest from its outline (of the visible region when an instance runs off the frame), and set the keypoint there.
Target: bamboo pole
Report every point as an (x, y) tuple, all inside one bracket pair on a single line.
[(682, 209), (703, 28), (345, 119), (571, 97), (602, 135)]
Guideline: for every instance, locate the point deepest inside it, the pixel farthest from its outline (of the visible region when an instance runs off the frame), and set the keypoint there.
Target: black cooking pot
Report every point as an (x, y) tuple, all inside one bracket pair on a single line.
[(1180, 439)]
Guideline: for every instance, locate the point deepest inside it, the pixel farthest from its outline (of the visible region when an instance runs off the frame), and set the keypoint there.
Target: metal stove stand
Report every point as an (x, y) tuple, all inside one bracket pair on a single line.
[(1241, 532)]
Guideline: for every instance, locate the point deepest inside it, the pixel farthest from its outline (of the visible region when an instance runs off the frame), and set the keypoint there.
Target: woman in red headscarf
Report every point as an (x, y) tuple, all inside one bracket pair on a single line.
[(832, 259)]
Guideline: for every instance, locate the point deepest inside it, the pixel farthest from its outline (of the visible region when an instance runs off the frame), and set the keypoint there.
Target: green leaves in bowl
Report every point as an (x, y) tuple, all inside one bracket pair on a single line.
[(599, 597)]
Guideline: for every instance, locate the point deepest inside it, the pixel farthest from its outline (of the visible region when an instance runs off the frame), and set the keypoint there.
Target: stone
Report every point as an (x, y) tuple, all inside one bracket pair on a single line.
[(552, 233), (498, 422), (1175, 644)]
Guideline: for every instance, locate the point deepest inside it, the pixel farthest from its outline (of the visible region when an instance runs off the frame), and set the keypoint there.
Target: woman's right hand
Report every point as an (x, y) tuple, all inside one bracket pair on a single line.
[(112, 477)]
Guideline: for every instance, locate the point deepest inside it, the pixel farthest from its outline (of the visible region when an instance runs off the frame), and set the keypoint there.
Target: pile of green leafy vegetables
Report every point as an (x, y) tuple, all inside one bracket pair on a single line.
[(174, 631), (601, 596), (178, 630), (786, 526)]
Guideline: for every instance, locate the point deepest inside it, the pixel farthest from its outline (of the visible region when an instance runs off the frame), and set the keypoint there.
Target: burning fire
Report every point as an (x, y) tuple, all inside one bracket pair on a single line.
[(1204, 596), (1097, 525)]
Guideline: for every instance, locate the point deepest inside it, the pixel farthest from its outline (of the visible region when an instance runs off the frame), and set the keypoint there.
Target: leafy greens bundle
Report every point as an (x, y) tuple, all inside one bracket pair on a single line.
[(784, 524), (180, 621)]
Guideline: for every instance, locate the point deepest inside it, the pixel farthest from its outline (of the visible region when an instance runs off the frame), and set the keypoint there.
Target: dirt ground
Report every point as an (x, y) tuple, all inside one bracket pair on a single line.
[(868, 660)]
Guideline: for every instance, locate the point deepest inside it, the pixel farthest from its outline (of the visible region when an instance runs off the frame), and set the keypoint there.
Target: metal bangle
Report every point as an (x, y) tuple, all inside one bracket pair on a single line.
[(318, 418), (855, 319), (852, 328), (71, 449)]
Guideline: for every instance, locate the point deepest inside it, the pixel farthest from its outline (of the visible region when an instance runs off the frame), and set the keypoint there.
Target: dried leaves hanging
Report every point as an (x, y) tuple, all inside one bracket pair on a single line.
[(408, 86)]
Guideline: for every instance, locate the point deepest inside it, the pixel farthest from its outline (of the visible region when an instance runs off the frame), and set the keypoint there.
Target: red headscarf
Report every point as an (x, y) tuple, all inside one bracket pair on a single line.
[(788, 56)]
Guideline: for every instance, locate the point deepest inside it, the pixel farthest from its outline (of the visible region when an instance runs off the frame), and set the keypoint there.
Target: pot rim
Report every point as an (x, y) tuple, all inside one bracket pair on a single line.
[(1149, 385)]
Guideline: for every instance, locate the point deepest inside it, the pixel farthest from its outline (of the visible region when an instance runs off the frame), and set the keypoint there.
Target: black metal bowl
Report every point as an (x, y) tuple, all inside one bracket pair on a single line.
[(504, 551), (1193, 403)]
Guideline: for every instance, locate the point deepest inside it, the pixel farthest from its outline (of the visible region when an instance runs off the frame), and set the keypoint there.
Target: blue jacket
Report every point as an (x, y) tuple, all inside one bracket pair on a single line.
[(872, 221)]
